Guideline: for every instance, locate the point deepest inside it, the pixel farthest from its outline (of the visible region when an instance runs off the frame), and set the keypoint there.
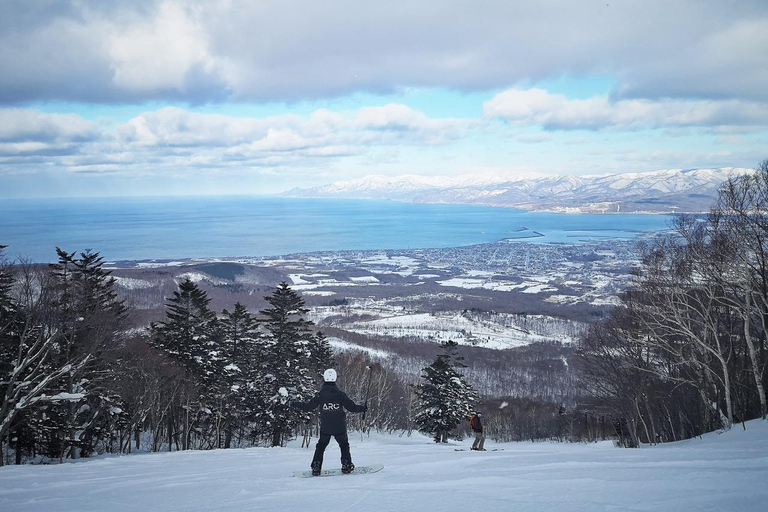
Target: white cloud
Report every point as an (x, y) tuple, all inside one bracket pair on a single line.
[(175, 140), (206, 50), (281, 140), (173, 126), (392, 124), (159, 53), (29, 125), (556, 112), (390, 117)]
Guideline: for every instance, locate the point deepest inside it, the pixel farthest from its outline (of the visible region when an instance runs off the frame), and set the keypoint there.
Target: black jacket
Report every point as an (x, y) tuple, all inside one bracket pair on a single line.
[(332, 402), (476, 424)]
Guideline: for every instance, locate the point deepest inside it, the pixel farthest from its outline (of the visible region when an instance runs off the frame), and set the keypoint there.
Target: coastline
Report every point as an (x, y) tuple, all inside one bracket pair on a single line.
[(251, 227), (599, 208), (524, 243)]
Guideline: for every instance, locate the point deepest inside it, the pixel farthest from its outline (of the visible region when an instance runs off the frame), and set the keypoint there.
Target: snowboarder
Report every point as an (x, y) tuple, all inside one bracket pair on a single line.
[(476, 423), (332, 402)]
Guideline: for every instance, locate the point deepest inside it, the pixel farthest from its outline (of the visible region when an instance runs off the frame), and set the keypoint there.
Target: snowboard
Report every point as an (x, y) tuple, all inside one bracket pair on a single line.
[(359, 470), (491, 450)]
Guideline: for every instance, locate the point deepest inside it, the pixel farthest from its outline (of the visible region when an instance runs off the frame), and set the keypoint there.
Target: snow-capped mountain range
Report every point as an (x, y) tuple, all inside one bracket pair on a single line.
[(663, 191)]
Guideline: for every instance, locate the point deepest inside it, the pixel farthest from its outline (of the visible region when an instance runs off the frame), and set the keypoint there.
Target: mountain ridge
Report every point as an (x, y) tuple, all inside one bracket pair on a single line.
[(660, 191)]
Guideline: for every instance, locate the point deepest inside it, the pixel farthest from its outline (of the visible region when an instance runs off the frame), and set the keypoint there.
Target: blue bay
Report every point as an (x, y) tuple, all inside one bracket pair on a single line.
[(221, 227)]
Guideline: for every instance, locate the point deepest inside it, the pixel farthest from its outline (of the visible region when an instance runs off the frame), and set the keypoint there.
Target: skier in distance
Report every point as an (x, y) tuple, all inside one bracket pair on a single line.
[(332, 402), (476, 423)]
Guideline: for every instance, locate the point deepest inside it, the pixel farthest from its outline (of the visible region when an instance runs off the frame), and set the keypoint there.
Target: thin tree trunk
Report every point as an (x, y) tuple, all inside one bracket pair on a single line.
[(704, 399), (652, 420), (753, 355), (642, 420), (727, 392), (187, 434), (671, 423), (228, 436), (633, 433)]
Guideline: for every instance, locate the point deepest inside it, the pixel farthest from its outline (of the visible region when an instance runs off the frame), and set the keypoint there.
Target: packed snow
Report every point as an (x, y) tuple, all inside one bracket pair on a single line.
[(343, 346), (133, 284), (296, 279), (155, 264), (364, 279), (320, 282), (396, 261), (721, 471), (493, 330), (499, 286), (451, 326), (196, 277)]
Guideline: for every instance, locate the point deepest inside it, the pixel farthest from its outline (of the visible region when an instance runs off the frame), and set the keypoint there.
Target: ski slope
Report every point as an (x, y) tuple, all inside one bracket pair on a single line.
[(720, 472)]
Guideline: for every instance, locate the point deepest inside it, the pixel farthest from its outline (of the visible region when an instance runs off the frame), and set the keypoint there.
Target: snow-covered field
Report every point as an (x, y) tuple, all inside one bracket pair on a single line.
[(134, 284), (721, 472), (451, 326), (500, 286), (342, 346), (491, 330)]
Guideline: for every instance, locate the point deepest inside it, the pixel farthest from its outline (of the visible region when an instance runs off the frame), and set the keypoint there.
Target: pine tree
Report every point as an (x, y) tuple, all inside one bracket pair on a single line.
[(287, 372), (186, 334), (444, 399), (8, 341), (191, 335), (6, 284), (320, 354), (241, 371), (8, 318), (89, 318)]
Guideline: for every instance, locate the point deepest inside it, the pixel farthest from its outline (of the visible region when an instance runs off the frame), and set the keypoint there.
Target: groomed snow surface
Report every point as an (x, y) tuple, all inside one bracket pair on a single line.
[(721, 472)]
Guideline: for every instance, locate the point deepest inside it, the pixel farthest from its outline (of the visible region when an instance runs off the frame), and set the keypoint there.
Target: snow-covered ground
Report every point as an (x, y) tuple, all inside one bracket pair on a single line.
[(341, 345), (134, 284), (721, 472), (451, 326), (491, 330), (499, 286)]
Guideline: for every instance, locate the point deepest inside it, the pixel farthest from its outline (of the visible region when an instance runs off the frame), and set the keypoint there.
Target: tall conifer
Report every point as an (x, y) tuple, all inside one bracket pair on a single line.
[(241, 371), (320, 354), (191, 336), (187, 332), (287, 352), (89, 317), (444, 399)]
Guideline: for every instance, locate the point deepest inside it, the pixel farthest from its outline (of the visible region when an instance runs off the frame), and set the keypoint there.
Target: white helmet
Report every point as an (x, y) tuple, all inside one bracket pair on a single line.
[(329, 375)]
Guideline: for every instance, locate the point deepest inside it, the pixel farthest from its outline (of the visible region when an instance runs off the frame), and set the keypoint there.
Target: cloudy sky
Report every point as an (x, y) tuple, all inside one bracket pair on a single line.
[(255, 97)]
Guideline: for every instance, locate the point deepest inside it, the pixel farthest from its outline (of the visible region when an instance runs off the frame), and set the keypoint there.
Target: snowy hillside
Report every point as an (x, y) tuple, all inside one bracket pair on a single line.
[(672, 190), (720, 472)]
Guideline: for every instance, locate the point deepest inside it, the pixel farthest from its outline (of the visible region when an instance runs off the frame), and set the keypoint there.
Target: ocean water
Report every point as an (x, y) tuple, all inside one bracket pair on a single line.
[(200, 227)]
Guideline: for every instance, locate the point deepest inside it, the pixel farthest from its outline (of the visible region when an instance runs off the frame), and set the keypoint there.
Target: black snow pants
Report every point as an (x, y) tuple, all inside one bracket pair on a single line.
[(322, 443)]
